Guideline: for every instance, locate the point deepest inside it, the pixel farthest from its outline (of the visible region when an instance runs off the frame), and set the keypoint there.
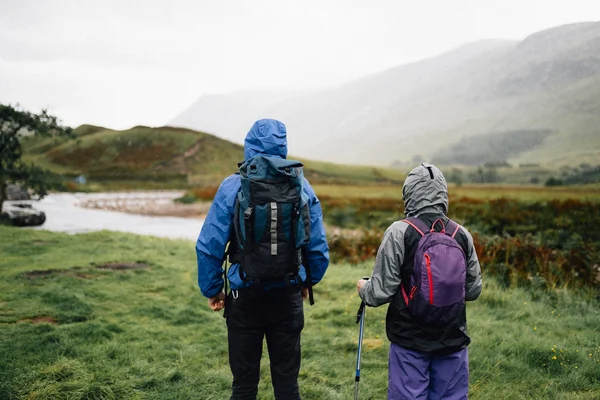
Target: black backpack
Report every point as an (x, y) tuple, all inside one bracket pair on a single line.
[(271, 221)]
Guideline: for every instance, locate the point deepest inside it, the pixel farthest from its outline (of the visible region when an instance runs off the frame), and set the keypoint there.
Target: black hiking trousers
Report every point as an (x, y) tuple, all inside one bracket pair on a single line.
[(252, 315)]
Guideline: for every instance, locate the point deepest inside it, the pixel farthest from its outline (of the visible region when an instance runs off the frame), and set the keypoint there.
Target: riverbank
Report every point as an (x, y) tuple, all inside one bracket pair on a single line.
[(146, 203), (65, 212)]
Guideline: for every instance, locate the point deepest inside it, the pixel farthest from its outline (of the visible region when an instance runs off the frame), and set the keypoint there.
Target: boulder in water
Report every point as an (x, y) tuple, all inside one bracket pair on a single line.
[(22, 214)]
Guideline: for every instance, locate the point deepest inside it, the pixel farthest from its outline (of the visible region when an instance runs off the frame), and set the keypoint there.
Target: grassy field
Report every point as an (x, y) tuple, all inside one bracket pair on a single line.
[(117, 316)]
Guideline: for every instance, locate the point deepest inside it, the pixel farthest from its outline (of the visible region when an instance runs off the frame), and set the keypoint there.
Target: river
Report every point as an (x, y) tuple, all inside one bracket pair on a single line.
[(64, 213)]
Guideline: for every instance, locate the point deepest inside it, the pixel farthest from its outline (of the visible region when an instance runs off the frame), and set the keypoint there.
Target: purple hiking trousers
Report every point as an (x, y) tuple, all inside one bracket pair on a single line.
[(416, 375)]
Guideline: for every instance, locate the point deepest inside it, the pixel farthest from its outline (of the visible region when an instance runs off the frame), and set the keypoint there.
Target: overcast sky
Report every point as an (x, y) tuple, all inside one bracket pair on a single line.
[(120, 63)]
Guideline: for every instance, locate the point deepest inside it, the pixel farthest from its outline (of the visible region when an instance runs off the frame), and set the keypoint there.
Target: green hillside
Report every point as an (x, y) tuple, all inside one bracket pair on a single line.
[(177, 157)]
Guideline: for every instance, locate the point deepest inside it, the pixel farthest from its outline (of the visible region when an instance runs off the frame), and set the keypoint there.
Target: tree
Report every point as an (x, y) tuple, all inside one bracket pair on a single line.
[(15, 125), (485, 175), (552, 181), (455, 176)]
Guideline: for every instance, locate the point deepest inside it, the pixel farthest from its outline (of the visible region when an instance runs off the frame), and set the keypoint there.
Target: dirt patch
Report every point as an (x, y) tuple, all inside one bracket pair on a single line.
[(123, 266), (52, 272), (44, 273), (372, 343), (84, 276), (79, 273), (40, 320)]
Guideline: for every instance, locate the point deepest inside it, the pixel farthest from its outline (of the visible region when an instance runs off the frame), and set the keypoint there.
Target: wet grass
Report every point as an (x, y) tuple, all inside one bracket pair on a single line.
[(147, 333)]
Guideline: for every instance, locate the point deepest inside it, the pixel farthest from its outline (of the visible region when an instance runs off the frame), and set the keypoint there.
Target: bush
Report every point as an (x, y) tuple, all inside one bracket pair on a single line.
[(71, 186), (186, 199), (555, 243), (552, 181), (198, 194), (354, 247)]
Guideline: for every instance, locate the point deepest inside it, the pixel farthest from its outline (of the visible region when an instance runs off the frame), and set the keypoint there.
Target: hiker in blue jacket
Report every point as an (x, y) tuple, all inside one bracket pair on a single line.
[(271, 309), (428, 358)]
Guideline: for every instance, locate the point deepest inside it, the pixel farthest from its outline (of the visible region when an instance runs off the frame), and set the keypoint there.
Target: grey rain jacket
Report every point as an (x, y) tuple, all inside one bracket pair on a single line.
[(425, 195)]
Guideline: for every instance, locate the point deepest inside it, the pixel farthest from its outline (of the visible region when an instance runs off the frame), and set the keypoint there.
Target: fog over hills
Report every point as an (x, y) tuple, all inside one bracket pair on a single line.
[(506, 90)]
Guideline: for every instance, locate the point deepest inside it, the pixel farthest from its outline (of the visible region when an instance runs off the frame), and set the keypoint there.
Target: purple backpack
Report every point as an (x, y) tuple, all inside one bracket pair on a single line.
[(438, 279)]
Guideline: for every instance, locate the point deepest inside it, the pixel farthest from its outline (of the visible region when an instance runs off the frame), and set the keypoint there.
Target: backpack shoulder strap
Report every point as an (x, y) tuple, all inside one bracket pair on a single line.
[(417, 224), (452, 228), (236, 220)]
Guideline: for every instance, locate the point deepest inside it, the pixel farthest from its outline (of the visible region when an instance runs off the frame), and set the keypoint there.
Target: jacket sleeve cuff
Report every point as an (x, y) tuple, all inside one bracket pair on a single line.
[(363, 293), (213, 293)]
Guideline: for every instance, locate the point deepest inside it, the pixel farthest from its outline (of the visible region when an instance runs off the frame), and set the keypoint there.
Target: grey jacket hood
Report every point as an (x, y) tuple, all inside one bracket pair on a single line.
[(425, 190)]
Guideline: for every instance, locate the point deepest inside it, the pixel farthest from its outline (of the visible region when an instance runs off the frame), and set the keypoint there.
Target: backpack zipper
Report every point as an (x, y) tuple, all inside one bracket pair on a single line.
[(429, 277)]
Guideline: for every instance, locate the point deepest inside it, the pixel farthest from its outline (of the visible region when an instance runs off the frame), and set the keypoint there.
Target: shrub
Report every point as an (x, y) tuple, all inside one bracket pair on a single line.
[(552, 181), (555, 243), (198, 194)]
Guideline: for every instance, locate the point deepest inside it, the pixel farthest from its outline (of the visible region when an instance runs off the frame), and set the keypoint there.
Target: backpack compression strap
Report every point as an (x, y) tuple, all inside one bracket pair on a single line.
[(452, 228)]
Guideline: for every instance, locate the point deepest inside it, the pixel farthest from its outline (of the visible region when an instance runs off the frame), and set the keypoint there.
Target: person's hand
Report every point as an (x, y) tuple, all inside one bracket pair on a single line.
[(218, 302), (360, 284), (304, 292)]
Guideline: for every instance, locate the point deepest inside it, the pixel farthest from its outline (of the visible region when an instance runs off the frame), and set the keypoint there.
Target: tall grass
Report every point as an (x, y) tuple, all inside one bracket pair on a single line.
[(73, 327)]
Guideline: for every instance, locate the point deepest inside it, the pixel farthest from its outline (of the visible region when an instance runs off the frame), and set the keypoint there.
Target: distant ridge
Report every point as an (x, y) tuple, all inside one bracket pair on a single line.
[(549, 81)]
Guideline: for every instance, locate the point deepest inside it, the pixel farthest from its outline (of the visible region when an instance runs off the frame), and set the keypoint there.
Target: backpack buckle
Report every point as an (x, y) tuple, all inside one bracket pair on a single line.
[(288, 278), (248, 213)]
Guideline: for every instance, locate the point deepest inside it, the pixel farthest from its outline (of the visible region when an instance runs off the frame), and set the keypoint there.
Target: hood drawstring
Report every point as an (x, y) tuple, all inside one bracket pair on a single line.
[(430, 171)]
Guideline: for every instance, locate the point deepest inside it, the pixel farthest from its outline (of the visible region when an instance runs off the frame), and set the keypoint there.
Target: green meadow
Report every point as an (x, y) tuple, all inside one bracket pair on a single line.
[(117, 316)]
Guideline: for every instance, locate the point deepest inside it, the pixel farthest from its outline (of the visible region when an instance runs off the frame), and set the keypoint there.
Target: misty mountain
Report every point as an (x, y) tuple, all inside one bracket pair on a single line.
[(490, 149), (548, 82), (230, 116)]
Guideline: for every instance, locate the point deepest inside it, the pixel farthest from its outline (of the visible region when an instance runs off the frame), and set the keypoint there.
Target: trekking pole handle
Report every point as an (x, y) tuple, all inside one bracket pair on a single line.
[(361, 309)]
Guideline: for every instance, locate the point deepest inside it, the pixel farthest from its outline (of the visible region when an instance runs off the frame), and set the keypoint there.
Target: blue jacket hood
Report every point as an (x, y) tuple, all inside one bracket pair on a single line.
[(267, 137)]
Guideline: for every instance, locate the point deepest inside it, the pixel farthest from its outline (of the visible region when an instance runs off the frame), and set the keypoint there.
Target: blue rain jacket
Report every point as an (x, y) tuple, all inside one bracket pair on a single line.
[(266, 137)]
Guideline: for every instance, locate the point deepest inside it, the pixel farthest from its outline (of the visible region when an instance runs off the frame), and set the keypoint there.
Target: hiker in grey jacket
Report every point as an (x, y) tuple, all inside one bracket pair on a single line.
[(424, 362)]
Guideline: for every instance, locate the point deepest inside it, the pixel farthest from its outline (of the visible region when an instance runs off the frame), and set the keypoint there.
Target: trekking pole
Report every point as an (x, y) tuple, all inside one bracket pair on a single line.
[(360, 318)]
